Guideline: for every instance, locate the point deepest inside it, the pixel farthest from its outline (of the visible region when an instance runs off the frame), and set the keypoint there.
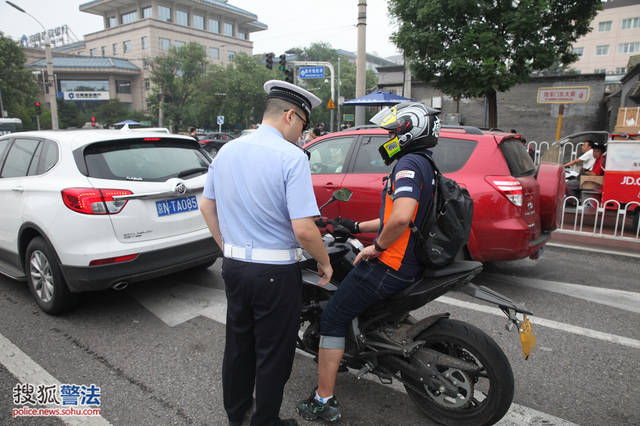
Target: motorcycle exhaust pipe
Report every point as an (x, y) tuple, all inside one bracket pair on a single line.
[(121, 285)]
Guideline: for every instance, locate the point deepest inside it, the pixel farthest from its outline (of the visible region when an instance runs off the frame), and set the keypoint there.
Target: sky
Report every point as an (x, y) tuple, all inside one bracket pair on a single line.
[(291, 23)]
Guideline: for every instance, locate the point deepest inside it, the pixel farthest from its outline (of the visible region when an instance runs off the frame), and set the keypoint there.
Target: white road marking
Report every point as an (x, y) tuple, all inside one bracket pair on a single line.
[(621, 299), (26, 370), (574, 329), (593, 250)]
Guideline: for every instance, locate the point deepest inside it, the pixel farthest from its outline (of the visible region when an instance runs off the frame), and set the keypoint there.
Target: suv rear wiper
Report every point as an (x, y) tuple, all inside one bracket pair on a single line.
[(192, 171)]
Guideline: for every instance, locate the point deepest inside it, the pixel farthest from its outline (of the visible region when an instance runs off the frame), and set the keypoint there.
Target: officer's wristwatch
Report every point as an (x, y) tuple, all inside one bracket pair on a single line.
[(377, 246)]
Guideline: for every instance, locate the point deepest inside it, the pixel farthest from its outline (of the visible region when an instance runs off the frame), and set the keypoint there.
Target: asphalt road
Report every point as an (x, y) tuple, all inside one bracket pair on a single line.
[(155, 350)]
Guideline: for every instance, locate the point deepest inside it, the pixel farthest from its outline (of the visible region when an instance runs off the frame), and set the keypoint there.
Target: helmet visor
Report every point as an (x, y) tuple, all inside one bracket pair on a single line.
[(386, 118)]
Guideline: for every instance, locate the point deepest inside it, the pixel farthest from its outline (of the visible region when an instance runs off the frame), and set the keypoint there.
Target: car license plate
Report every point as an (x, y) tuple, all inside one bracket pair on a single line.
[(176, 205), (527, 338)]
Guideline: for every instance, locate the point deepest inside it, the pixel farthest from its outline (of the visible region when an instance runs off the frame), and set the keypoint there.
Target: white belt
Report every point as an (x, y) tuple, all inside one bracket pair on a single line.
[(264, 255)]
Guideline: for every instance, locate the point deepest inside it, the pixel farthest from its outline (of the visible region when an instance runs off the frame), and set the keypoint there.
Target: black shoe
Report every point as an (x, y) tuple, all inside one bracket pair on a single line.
[(288, 422), (312, 409)]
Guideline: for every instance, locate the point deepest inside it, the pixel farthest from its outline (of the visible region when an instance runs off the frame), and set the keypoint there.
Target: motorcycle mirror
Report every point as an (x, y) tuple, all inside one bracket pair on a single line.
[(342, 194)]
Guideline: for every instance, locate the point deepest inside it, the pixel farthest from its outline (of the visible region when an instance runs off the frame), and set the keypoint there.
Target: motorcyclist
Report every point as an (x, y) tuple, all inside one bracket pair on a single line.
[(389, 264)]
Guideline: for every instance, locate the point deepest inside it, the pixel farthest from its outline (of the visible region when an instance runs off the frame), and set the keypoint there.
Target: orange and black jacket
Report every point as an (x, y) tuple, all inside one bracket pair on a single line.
[(412, 177)]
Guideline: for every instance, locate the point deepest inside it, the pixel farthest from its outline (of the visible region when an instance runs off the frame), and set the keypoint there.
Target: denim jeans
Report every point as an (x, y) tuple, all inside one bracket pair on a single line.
[(368, 283)]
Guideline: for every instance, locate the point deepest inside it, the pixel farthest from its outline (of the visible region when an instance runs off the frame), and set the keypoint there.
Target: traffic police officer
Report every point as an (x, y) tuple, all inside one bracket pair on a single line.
[(259, 205)]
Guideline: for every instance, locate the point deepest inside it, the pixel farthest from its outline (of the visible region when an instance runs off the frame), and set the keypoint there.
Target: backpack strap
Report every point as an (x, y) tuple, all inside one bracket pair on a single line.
[(414, 228)]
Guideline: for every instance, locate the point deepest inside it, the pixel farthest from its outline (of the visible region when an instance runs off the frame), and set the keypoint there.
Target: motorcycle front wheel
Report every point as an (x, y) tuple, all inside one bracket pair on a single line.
[(483, 396)]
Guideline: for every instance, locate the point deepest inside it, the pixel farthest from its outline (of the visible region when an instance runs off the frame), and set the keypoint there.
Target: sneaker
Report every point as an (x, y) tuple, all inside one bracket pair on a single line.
[(312, 409)]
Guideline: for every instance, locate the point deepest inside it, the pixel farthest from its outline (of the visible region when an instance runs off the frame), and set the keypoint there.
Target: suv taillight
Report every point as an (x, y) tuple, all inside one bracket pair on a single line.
[(508, 186), (94, 200)]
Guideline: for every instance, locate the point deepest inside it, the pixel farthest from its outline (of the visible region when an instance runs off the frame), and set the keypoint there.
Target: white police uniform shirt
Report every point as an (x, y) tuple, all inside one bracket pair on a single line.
[(261, 182)]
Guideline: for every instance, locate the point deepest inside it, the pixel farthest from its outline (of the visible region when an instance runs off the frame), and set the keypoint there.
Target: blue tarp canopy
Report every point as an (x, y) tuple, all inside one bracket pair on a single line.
[(378, 98), (122, 123)]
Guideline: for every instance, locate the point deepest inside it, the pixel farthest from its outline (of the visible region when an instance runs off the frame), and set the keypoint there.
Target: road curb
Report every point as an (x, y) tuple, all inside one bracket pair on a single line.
[(594, 250)]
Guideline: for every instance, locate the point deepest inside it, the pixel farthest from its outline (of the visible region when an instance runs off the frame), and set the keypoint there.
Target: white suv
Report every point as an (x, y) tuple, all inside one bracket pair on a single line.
[(92, 209)]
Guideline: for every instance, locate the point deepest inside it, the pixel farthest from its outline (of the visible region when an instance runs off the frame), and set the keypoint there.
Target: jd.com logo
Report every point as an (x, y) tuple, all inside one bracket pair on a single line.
[(630, 180)]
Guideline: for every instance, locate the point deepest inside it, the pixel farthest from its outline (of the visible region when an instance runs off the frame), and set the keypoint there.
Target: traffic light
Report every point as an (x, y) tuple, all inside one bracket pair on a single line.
[(38, 110), (93, 121), (269, 60), (283, 62), (289, 76)]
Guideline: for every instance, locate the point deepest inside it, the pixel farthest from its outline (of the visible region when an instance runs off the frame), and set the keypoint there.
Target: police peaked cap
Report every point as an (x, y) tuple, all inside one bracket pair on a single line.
[(305, 100)]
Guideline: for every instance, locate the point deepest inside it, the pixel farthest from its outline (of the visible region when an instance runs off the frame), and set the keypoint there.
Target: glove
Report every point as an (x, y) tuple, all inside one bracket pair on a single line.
[(347, 223)]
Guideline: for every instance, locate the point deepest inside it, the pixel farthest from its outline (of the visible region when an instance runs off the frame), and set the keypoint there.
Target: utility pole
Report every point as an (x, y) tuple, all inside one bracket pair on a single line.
[(338, 99), (361, 61), (51, 85)]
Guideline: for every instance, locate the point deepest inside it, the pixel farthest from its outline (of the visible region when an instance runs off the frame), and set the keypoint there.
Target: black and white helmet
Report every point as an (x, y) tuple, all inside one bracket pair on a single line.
[(412, 125)]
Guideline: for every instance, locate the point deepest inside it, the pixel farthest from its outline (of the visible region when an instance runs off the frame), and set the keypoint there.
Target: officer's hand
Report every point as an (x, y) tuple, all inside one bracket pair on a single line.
[(326, 271), (347, 223)]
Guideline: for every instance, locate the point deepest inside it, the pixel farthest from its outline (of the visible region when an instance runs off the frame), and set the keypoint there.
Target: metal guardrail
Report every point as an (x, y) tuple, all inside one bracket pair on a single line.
[(609, 217), (592, 208)]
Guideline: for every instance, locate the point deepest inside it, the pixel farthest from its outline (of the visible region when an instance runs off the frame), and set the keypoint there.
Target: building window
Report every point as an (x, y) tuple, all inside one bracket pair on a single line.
[(127, 18), (147, 84), (126, 46), (182, 18), (178, 44), (214, 26), (242, 35), (115, 49), (112, 21), (145, 63), (579, 51), (625, 48), (228, 29), (600, 71), (147, 12), (621, 70), (604, 26), (231, 54), (93, 52), (123, 86), (144, 42), (165, 43), (103, 50), (629, 23), (198, 22), (214, 53), (602, 50), (164, 13)]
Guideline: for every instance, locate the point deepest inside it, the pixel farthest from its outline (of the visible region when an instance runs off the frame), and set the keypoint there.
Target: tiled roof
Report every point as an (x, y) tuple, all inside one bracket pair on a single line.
[(87, 62)]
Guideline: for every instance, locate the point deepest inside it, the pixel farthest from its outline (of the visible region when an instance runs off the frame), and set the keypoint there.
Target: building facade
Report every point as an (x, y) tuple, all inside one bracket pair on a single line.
[(615, 36), (135, 32)]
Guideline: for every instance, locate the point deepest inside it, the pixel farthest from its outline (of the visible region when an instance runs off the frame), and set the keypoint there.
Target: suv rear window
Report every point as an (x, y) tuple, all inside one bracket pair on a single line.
[(518, 159), (140, 160)]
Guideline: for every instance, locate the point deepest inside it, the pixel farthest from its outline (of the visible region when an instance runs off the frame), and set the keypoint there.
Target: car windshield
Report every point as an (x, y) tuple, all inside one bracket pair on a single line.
[(518, 159), (144, 160)]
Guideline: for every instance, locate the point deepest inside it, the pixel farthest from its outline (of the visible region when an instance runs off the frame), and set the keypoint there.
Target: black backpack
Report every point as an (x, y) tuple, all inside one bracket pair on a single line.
[(446, 226)]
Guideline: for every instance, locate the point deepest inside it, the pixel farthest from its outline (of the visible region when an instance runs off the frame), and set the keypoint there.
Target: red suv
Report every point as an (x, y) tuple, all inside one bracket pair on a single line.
[(516, 206)]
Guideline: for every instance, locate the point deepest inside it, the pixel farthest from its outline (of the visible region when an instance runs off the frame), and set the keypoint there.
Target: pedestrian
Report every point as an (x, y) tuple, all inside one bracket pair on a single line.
[(389, 264), (259, 205)]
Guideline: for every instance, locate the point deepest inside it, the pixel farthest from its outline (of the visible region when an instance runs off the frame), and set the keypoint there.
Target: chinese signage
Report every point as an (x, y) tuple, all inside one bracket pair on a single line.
[(564, 95), (86, 96), (311, 72), (58, 36)]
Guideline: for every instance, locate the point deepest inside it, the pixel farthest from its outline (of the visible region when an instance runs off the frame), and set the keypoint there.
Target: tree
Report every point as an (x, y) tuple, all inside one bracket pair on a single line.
[(235, 91), (176, 77), (18, 88), (471, 48), (324, 52)]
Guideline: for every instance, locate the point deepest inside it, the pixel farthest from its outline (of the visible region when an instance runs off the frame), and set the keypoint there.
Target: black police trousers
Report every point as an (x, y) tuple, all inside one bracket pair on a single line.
[(263, 311)]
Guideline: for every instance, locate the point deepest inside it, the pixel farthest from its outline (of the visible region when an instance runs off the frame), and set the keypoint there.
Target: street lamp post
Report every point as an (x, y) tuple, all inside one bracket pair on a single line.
[(50, 80)]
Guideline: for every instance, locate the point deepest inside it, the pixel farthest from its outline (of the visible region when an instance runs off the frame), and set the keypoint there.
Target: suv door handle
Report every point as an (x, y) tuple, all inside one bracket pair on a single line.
[(330, 185), (18, 189)]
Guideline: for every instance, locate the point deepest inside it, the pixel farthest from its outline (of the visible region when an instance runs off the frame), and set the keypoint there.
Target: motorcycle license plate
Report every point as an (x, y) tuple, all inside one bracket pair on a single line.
[(527, 338)]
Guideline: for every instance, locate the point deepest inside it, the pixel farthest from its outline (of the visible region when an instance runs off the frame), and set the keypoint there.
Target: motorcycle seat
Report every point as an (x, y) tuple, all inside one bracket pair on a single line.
[(457, 267)]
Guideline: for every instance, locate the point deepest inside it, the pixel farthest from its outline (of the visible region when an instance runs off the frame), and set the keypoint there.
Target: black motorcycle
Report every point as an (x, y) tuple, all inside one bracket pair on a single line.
[(454, 372)]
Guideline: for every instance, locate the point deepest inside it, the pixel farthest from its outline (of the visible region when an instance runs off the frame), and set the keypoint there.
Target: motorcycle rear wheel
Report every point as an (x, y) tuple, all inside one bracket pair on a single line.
[(484, 397)]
